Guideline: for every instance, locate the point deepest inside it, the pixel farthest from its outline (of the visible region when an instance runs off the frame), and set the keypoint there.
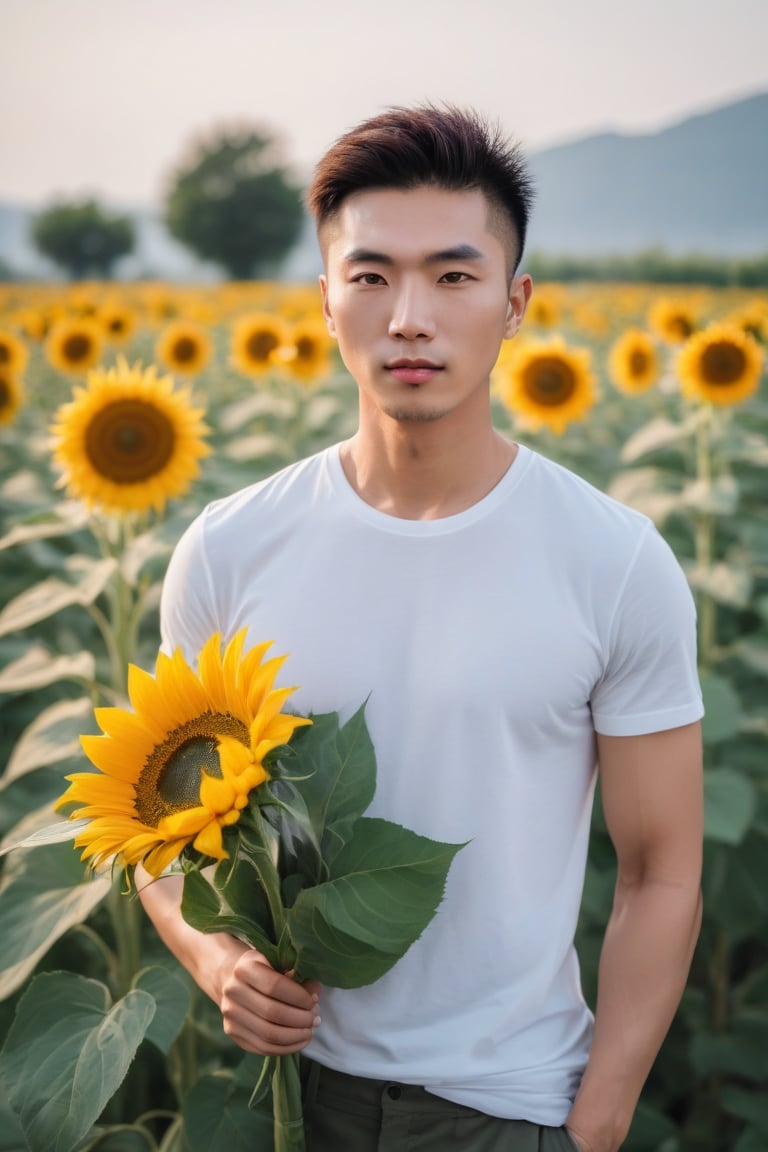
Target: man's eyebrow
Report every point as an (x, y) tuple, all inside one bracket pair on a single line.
[(456, 252)]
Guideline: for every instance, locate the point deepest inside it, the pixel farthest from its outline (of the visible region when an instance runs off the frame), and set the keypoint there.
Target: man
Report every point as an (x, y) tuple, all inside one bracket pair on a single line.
[(509, 626)]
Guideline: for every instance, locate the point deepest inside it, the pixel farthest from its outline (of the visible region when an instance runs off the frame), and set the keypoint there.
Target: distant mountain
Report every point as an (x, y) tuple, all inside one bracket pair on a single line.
[(698, 186)]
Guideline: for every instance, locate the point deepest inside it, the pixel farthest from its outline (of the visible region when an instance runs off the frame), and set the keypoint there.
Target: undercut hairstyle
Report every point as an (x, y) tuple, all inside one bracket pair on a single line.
[(442, 147)]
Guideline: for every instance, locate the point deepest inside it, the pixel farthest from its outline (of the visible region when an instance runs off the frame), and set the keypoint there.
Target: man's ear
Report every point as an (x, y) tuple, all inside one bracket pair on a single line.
[(519, 294), (326, 310)]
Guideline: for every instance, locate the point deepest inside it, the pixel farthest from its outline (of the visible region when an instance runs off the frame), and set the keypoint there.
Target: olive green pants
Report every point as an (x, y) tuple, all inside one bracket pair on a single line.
[(351, 1114)]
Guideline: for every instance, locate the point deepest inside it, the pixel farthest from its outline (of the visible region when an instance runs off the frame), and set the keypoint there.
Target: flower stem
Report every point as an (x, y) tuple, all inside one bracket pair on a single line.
[(705, 546)]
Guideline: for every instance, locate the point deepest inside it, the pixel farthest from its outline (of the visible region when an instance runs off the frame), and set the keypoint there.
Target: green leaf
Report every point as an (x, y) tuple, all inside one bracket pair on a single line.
[(204, 908), (743, 1052), (645, 489), (723, 716), (50, 596), (386, 886), (657, 433), (751, 1140), (754, 653), (172, 992), (735, 892), (67, 517), (751, 1106), (730, 804), (340, 764), (217, 1118), (650, 1128), (719, 497), (53, 735), (11, 1136), (44, 893), (38, 668), (67, 1053), (725, 583)]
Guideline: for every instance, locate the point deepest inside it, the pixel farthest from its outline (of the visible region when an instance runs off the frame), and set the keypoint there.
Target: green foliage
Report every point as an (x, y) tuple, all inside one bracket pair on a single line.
[(234, 204), (653, 266), (82, 238), (702, 477)]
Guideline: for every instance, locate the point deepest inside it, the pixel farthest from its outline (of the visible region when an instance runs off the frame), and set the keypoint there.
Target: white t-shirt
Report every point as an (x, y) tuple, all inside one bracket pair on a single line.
[(490, 645)]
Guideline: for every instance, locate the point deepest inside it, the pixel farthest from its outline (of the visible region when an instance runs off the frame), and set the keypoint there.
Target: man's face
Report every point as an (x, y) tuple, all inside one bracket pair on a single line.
[(416, 292)]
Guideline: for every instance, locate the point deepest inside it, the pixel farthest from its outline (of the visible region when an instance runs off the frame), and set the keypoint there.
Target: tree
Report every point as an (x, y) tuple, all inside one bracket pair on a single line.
[(83, 238), (234, 203)]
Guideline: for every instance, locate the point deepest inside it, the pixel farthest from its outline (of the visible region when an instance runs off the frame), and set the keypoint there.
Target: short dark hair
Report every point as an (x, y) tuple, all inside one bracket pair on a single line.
[(446, 147)]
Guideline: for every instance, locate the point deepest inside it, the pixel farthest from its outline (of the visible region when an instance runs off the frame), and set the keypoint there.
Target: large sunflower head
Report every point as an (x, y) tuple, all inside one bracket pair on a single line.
[(75, 345), (179, 768), (10, 396), (128, 441), (720, 365), (633, 363), (257, 341), (549, 384), (184, 347)]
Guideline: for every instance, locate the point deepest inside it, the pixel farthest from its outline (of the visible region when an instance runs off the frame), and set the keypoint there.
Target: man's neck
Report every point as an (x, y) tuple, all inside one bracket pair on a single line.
[(425, 470)]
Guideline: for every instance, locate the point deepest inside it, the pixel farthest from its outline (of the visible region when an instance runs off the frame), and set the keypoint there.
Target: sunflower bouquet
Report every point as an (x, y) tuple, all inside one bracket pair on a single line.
[(262, 813)]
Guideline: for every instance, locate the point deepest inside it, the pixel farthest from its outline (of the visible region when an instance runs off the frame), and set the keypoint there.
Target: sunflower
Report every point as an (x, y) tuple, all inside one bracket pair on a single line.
[(307, 355), (117, 320), (13, 353), (178, 769), (720, 365), (673, 321), (632, 363), (75, 345), (549, 384), (545, 307), (257, 339), (184, 347), (10, 396), (127, 441)]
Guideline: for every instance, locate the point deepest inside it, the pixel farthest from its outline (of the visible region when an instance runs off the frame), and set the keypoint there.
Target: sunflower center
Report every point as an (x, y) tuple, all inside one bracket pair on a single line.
[(549, 381), (260, 345), (723, 363), (680, 326), (638, 362), (305, 348), (171, 777), (129, 441), (76, 347), (184, 349), (5, 354), (116, 325)]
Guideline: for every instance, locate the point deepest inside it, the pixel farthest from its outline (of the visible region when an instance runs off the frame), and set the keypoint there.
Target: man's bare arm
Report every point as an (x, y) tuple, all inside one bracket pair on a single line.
[(652, 795), (263, 1011)]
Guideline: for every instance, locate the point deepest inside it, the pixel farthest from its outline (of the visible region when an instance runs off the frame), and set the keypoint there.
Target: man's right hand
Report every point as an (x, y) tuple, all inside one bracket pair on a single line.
[(267, 1012)]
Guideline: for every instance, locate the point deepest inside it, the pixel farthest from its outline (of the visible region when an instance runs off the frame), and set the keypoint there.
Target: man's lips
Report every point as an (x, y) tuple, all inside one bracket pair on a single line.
[(413, 371)]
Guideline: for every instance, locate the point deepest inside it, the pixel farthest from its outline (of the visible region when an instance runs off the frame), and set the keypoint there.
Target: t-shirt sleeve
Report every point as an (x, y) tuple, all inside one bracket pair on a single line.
[(650, 682), (188, 614)]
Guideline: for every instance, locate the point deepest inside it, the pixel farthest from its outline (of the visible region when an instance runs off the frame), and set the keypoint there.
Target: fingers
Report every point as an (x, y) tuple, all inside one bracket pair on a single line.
[(266, 1011)]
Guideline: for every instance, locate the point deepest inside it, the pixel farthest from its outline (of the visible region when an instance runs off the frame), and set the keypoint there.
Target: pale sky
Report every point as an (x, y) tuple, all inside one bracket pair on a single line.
[(103, 97)]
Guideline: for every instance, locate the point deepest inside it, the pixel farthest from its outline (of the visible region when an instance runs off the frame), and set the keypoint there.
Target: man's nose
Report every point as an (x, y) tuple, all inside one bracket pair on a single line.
[(412, 314)]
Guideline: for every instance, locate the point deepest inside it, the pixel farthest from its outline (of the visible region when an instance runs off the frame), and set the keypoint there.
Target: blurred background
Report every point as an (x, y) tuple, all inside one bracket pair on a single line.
[(162, 345)]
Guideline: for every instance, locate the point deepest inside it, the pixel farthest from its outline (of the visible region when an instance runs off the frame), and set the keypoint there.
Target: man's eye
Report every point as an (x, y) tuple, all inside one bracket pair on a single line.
[(368, 278), (455, 277)]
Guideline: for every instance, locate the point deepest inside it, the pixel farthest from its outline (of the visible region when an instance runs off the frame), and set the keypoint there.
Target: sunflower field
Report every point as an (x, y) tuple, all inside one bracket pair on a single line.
[(123, 410)]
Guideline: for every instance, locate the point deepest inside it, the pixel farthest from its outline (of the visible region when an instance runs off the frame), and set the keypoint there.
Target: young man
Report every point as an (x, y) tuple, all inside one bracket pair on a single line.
[(509, 627)]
